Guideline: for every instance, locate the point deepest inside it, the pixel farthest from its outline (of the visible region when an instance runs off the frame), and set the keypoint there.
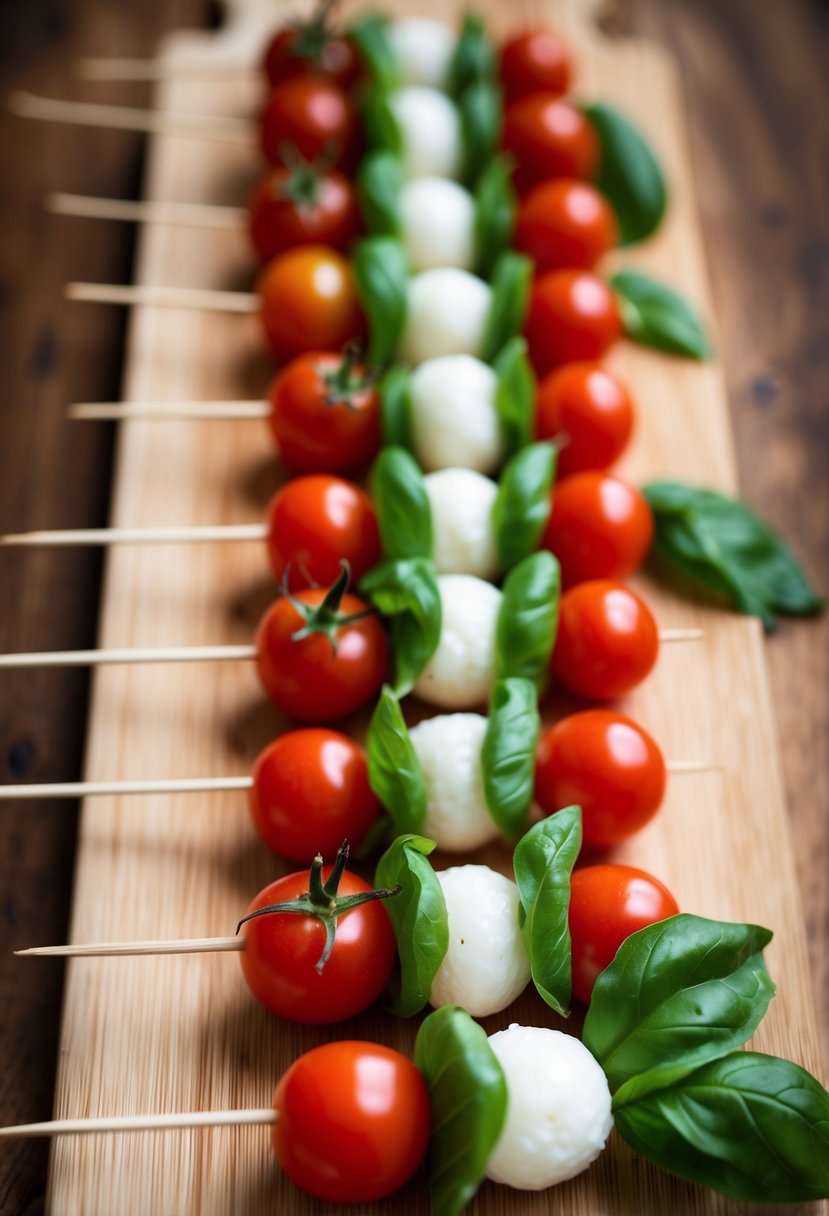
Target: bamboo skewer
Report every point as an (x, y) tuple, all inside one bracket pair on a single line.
[(196, 534), (113, 411), (128, 118), (191, 215), (183, 945), (142, 1123), (201, 298)]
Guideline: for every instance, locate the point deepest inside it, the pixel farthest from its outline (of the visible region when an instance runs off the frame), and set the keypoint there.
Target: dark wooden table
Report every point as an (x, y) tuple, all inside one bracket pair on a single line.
[(757, 94)]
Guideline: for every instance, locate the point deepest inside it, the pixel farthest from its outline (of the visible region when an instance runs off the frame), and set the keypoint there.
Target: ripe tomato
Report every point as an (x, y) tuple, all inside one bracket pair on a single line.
[(572, 316), (591, 409), (534, 62), (310, 792), (302, 205), (309, 301), (599, 527), (607, 904), (314, 523), (565, 224), (353, 1121), (325, 414), (312, 117), (607, 640), (311, 47), (606, 764), (549, 138)]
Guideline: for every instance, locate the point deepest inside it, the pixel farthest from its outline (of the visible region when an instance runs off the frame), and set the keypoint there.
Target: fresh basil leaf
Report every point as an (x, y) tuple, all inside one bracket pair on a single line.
[(418, 917), (380, 126), (678, 993), (406, 593), (508, 754), (473, 60), (749, 1125), (480, 111), (495, 206), (511, 280), (370, 34), (630, 175), (394, 771), (404, 516), (525, 631), (522, 506), (514, 395), (543, 862), (468, 1097), (379, 182), (396, 407), (655, 315), (719, 542), (381, 271)]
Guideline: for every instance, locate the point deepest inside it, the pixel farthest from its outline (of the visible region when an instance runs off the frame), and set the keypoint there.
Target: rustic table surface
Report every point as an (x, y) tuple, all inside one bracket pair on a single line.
[(757, 98)]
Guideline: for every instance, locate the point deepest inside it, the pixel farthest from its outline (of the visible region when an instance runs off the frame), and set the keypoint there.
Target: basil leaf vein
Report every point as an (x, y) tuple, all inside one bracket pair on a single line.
[(404, 515), (630, 175), (523, 504), (508, 754), (394, 771), (525, 630), (406, 592), (656, 315), (419, 919)]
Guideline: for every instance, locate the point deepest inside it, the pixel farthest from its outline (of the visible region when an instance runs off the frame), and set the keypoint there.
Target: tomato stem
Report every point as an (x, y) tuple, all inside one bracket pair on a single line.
[(349, 379), (325, 617)]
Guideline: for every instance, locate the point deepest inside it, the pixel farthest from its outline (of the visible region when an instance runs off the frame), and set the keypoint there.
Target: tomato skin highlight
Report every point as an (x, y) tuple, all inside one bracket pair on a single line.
[(548, 138), (277, 221), (313, 117), (535, 61), (317, 521), (608, 765), (599, 527), (572, 316), (607, 904), (354, 1121), (309, 301), (564, 224), (607, 640), (591, 408), (288, 56)]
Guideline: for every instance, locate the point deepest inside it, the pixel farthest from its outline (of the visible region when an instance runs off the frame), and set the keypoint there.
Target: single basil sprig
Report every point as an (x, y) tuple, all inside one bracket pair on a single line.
[(543, 863), (523, 504), (379, 183), (655, 315), (370, 34), (406, 593), (394, 771), (718, 542), (514, 395), (380, 126), (404, 515), (525, 631), (480, 111), (473, 60), (468, 1097), (396, 408), (749, 1125), (511, 278), (381, 271), (630, 175), (419, 918), (508, 754), (495, 207)]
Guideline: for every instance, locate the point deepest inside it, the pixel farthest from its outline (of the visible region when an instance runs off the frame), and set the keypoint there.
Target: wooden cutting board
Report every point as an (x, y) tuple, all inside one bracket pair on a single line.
[(182, 1033)]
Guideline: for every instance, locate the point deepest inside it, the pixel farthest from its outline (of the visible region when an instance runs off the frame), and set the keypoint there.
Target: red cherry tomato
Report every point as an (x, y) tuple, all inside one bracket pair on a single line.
[(325, 414), (599, 527), (302, 206), (534, 62), (310, 792), (591, 409), (353, 1121), (314, 523), (607, 904), (607, 640), (565, 224), (307, 48), (572, 316), (310, 116), (549, 138), (309, 301), (606, 764)]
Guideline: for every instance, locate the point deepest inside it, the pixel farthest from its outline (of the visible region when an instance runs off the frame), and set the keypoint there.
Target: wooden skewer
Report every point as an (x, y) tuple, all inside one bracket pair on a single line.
[(137, 536), (192, 215), (162, 654), (113, 411), (200, 298), (144, 1123), (127, 118), (160, 69), (184, 945)]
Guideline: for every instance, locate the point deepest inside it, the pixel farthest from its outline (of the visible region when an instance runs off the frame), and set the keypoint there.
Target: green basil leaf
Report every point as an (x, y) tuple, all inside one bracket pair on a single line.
[(511, 280), (402, 505), (678, 993), (522, 506), (508, 754), (394, 771), (749, 1125), (525, 631), (656, 315), (468, 1097), (514, 395), (473, 60), (629, 173), (380, 127), (370, 33), (396, 407), (543, 863), (379, 182), (419, 918), (381, 271), (495, 206), (718, 542), (481, 114), (406, 592)]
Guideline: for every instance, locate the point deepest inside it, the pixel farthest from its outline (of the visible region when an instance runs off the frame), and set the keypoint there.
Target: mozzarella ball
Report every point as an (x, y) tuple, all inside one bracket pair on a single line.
[(446, 314), (461, 503), (461, 672), (486, 966), (455, 422), (430, 132), (437, 224), (424, 51), (449, 751), (558, 1110)]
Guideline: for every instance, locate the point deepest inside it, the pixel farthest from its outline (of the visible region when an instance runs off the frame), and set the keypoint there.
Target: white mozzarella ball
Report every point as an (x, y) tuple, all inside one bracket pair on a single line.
[(461, 503), (430, 132), (454, 418), (424, 50), (446, 314), (486, 966), (558, 1110), (437, 224), (461, 672), (449, 751)]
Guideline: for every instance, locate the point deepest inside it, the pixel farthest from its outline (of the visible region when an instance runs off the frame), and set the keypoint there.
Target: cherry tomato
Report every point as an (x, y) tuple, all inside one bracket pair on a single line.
[(314, 523), (549, 138), (607, 904), (606, 764), (537, 61), (565, 224), (309, 301), (309, 115), (325, 414), (607, 640), (353, 1121), (572, 316), (302, 205), (311, 47), (599, 527), (310, 792), (591, 409)]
